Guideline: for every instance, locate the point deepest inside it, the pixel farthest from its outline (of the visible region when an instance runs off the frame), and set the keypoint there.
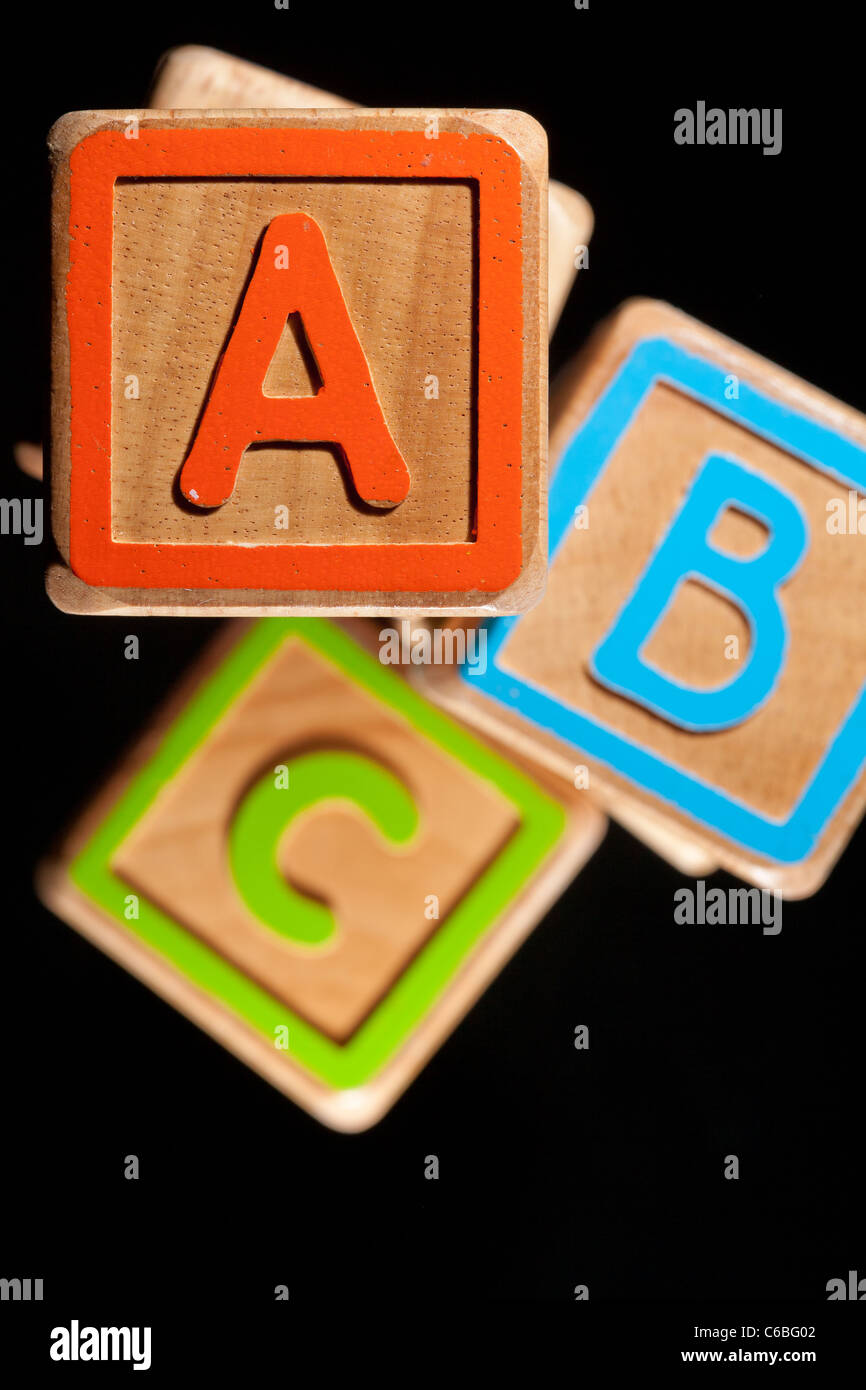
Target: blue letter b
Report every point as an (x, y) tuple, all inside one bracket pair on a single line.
[(751, 584)]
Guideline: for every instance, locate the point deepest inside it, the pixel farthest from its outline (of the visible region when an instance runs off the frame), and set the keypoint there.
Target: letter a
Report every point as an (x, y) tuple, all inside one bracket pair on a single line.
[(344, 412)]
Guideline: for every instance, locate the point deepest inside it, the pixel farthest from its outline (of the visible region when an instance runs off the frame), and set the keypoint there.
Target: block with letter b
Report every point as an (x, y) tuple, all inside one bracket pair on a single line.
[(701, 648), (317, 866), (299, 361)]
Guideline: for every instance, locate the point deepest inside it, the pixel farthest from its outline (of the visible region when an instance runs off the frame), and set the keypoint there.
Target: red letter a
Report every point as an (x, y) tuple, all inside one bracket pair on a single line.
[(293, 275)]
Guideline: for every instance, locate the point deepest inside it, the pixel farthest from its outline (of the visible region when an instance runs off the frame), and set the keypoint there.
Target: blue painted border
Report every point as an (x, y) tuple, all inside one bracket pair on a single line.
[(654, 361)]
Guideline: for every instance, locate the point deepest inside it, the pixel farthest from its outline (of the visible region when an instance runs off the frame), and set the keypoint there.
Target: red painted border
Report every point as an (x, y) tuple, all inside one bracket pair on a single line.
[(489, 563)]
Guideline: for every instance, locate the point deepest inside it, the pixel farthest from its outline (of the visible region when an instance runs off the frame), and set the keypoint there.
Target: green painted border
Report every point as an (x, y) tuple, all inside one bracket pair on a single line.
[(542, 824)]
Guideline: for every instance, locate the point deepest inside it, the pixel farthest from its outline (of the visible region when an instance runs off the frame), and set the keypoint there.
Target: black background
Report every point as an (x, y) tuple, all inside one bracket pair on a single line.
[(558, 1167)]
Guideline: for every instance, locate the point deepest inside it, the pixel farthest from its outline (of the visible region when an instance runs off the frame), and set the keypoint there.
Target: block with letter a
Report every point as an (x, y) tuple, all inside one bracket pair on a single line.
[(299, 361), (700, 653)]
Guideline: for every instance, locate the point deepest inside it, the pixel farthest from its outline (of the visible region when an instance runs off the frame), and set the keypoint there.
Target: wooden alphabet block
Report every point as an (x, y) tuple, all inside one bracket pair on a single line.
[(299, 362), (315, 865), (699, 656)]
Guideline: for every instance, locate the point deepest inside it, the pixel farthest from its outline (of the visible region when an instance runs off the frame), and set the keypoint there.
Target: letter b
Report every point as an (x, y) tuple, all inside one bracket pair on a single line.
[(751, 583)]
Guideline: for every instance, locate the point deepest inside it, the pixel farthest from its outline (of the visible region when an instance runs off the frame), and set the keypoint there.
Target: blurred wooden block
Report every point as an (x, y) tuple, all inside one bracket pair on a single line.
[(429, 230), (28, 457), (699, 653), (198, 77), (195, 77), (569, 229), (315, 865)]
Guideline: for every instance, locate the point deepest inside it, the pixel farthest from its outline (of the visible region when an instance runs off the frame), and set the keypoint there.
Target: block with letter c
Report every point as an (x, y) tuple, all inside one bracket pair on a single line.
[(316, 865)]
